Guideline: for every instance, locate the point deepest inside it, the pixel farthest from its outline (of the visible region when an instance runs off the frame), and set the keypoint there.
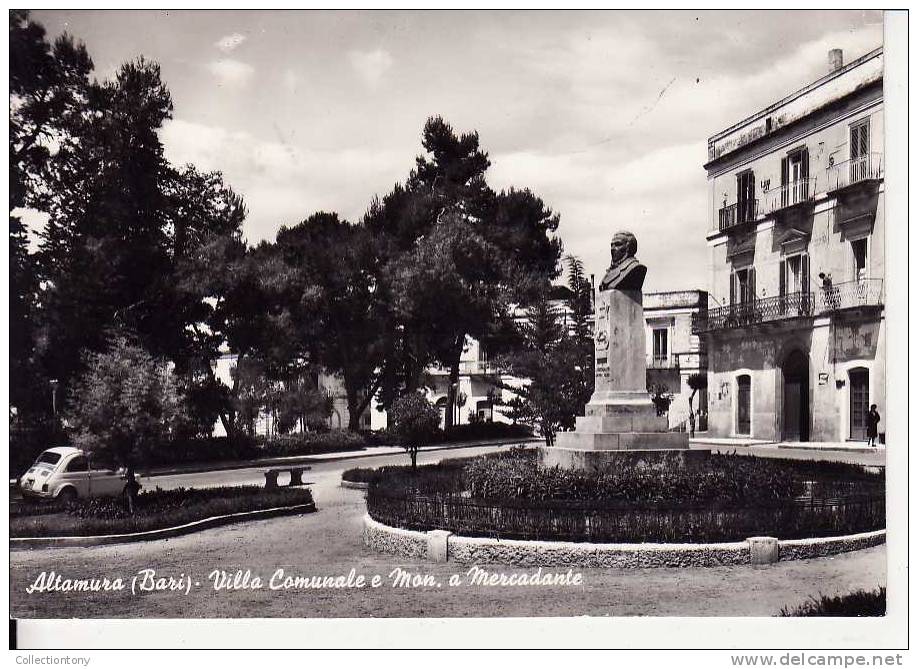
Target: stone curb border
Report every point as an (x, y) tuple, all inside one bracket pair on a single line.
[(24, 543), (443, 546), (354, 485)]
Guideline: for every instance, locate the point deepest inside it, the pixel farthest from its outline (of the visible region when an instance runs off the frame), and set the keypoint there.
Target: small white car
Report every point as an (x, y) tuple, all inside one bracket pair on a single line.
[(65, 473)]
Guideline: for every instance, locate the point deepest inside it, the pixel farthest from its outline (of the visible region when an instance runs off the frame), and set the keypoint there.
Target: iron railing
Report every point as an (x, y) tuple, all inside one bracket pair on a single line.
[(663, 361), (847, 295), (789, 195), (806, 516), (759, 310), (736, 214), (868, 167), (851, 295)]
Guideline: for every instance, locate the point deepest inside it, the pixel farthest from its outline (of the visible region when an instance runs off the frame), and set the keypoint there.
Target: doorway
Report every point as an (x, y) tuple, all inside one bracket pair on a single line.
[(744, 404), (859, 380), (796, 371)]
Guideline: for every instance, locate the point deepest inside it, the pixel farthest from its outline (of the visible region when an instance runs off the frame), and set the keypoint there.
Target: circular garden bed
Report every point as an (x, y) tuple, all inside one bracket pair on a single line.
[(659, 498)]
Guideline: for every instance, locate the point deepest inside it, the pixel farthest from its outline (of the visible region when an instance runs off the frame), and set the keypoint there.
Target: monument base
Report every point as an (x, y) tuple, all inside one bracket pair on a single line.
[(613, 424), (592, 461)]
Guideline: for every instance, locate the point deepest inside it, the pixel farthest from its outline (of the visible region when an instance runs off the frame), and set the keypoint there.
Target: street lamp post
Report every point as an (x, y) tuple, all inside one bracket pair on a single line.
[(54, 397)]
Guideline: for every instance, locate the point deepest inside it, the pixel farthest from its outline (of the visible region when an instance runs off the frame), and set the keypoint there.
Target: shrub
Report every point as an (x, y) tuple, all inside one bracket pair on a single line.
[(360, 475), (311, 443), (665, 497), (858, 603), (415, 423), (153, 510)]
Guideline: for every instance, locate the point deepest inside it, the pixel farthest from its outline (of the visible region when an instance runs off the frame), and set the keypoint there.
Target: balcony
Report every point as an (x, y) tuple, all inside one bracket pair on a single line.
[(863, 170), (736, 214), (851, 295), (663, 361), (865, 293), (789, 196), (753, 312)]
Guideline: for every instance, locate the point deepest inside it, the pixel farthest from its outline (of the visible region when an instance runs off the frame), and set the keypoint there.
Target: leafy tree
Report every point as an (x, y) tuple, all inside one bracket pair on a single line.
[(550, 395), (445, 209), (661, 397), (449, 288), (105, 249), (415, 422), (327, 278), (696, 382), (125, 406), (48, 83)]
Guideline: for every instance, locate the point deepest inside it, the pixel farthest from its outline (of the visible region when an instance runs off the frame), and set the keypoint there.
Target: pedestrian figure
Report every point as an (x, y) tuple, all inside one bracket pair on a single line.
[(828, 292), (873, 419)]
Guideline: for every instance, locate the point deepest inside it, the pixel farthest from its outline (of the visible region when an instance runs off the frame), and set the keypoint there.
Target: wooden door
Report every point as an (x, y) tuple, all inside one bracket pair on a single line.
[(743, 405), (859, 394)]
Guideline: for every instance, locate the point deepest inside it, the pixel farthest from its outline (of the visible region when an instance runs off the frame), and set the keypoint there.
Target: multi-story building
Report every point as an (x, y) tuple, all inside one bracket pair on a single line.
[(674, 352), (795, 327)]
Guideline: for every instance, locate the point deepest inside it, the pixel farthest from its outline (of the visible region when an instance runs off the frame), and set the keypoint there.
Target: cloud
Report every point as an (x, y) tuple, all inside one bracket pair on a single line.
[(283, 183), (291, 80), (228, 43), (371, 65), (231, 73)]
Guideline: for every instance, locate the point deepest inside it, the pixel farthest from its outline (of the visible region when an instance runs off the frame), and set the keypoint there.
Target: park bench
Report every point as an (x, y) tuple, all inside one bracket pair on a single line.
[(296, 475)]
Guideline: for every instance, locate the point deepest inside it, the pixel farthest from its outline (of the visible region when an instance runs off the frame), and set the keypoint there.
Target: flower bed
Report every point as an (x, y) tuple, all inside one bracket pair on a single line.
[(662, 498), (154, 510)]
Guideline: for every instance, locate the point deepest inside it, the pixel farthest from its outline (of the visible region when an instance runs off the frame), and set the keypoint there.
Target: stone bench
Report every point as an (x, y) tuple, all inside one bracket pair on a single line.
[(296, 476)]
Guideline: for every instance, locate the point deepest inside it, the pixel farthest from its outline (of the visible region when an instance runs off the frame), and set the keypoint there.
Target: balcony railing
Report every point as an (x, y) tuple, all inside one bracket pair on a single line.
[(736, 214), (789, 195), (766, 309), (851, 295), (863, 169), (848, 295), (663, 361)]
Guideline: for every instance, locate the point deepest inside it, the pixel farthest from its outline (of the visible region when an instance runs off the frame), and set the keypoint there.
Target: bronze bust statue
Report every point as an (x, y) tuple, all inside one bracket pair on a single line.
[(625, 272)]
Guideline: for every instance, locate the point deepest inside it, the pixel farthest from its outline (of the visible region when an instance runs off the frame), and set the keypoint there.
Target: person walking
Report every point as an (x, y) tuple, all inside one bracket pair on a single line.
[(873, 419)]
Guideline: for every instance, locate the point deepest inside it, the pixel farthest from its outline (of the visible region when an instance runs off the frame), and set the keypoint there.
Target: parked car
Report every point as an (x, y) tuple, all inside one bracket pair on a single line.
[(66, 473)]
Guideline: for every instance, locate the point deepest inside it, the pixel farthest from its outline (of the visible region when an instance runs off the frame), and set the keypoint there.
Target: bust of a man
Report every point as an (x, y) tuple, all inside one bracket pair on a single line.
[(625, 272)]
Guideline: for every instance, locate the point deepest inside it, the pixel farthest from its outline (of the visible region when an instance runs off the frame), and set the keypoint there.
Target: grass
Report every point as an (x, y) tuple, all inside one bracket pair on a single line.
[(154, 510), (861, 603)]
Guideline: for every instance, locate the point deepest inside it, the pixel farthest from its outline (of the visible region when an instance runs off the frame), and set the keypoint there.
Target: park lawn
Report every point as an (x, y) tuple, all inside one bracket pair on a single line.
[(154, 510)]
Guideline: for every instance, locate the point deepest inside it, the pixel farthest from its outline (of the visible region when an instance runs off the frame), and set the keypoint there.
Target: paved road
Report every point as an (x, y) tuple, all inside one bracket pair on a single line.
[(329, 543)]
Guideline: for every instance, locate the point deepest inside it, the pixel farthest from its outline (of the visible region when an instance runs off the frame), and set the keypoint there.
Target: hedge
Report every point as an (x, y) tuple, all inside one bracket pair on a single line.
[(641, 498), (155, 509)]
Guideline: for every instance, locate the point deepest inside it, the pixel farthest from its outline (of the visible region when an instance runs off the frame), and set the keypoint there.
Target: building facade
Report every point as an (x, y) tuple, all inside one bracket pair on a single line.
[(674, 351), (795, 327)]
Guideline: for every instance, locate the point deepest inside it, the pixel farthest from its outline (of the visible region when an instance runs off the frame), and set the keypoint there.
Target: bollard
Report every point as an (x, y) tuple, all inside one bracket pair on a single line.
[(296, 476), (438, 545), (763, 550)]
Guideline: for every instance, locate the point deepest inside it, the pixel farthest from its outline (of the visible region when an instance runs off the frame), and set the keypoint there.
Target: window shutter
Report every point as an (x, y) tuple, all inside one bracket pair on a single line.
[(732, 287), (782, 279), (805, 165), (805, 273), (751, 281), (784, 171)]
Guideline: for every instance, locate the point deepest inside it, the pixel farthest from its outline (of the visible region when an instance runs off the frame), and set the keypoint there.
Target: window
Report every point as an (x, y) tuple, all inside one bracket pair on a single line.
[(859, 259), (660, 345), (794, 284), (795, 173), (860, 151), (742, 286), (745, 197), (79, 464), (860, 139)]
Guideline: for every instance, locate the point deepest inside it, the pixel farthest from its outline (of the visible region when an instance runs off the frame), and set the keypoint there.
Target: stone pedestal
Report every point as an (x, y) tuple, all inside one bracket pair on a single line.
[(620, 415)]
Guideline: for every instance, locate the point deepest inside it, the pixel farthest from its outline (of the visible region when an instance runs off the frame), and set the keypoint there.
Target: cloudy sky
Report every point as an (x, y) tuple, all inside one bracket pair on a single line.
[(604, 115)]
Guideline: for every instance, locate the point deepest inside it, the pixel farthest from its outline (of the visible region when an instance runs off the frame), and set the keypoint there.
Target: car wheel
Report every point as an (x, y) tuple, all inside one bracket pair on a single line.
[(67, 495)]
